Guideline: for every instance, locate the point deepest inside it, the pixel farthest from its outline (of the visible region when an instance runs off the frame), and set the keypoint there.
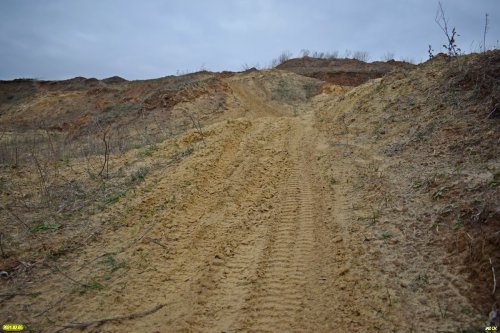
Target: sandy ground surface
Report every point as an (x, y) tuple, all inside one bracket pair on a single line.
[(246, 234), (281, 219)]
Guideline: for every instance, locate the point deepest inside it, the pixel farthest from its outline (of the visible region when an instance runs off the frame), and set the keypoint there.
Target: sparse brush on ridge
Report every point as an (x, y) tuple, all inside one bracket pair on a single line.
[(139, 175), (451, 46), (284, 56), (388, 56), (361, 56), (441, 20), (287, 55), (320, 55)]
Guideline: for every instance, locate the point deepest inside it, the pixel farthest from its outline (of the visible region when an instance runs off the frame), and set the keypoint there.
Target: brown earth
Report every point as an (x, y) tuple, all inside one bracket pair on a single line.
[(344, 72), (293, 206)]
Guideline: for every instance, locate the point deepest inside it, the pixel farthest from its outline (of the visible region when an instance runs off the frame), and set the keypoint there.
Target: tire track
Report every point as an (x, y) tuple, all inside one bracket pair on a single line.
[(279, 299), (227, 280), (261, 285)]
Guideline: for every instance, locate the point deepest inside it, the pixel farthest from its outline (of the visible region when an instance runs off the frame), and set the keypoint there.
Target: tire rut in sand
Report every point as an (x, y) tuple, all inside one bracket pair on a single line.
[(227, 277), (279, 298), (261, 285)]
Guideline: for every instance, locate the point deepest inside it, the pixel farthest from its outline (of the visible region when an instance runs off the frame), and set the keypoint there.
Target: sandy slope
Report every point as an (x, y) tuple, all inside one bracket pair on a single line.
[(246, 234), (287, 218), (247, 243), (238, 237)]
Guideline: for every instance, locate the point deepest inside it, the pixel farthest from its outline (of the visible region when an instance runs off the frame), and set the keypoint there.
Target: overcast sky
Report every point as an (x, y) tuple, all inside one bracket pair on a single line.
[(60, 39)]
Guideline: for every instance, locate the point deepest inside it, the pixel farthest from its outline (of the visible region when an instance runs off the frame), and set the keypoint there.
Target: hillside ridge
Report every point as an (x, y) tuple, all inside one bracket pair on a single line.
[(324, 195)]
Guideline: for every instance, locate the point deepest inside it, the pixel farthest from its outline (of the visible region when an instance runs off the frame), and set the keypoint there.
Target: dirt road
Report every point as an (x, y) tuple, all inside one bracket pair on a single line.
[(262, 283), (242, 238), (239, 236)]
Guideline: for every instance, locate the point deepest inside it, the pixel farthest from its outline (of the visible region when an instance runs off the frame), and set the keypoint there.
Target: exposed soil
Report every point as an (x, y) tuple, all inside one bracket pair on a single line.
[(345, 72), (276, 203)]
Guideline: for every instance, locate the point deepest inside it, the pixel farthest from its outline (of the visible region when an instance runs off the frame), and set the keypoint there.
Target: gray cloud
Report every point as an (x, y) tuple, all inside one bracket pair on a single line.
[(60, 39)]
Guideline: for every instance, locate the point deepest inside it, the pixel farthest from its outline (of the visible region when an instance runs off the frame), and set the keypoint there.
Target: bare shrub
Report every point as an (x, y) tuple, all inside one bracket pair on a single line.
[(486, 21), (388, 56), (105, 164), (361, 56), (42, 172), (284, 56), (332, 55), (451, 46), (326, 55), (409, 60), (430, 51), (319, 55)]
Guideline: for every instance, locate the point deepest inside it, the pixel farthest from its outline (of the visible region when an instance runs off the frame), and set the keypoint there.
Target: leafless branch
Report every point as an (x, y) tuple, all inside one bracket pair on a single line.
[(43, 177), (491, 114), (64, 274), (485, 31), (157, 242), (85, 324), (494, 278), (442, 22), (17, 217), (20, 293), (1, 246), (105, 164), (196, 125)]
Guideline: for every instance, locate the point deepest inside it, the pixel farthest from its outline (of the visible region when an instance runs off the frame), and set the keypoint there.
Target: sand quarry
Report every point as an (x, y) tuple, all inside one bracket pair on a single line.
[(260, 201)]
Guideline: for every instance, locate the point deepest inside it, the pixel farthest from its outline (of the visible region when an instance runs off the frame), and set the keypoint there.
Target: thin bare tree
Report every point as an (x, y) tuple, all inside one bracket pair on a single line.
[(105, 164), (486, 22), (441, 20)]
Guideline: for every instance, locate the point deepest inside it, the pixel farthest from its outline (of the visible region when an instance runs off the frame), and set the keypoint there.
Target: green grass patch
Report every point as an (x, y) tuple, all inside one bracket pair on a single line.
[(112, 264), (147, 151), (45, 226), (385, 235), (422, 280), (496, 180), (114, 197), (458, 224), (92, 285), (139, 175), (465, 309), (439, 194), (187, 151)]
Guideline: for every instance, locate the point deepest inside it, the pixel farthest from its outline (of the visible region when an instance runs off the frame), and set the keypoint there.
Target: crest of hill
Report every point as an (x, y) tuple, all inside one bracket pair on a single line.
[(114, 80), (345, 72)]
